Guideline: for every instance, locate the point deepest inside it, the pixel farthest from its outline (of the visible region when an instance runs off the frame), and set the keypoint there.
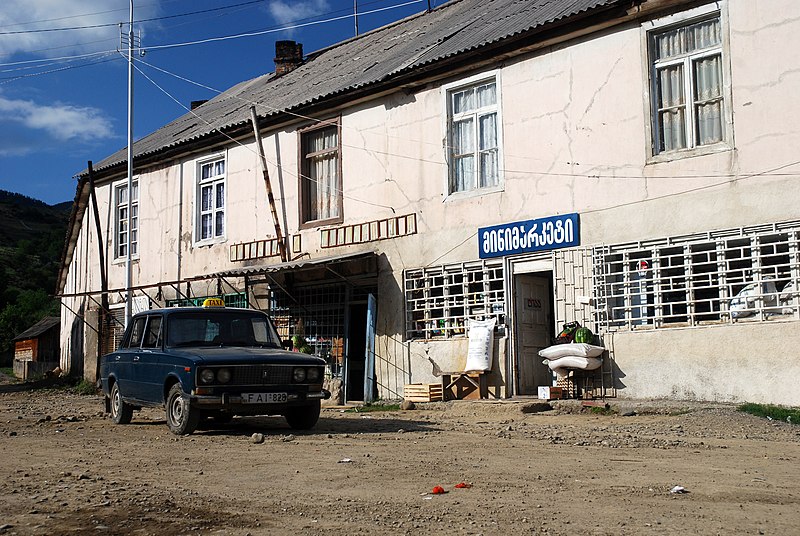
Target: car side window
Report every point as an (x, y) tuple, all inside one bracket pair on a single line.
[(152, 336), (136, 332)]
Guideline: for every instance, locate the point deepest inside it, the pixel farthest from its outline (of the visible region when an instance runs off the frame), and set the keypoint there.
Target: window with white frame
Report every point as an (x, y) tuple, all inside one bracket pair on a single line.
[(687, 77), (211, 199), (473, 118), (125, 207), (321, 182), (746, 274), (440, 300)]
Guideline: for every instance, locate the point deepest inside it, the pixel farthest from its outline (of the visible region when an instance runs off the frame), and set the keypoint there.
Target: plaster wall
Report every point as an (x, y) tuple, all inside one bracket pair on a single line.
[(744, 362)]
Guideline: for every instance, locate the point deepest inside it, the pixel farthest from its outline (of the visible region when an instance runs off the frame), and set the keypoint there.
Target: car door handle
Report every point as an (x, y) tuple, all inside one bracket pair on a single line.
[(136, 358)]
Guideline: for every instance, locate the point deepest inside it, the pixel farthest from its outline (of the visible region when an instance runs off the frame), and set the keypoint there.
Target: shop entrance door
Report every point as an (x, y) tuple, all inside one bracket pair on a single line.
[(533, 306)]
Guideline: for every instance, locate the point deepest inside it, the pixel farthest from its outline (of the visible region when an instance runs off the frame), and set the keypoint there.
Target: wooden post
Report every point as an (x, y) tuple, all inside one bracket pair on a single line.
[(270, 197), (103, 278)]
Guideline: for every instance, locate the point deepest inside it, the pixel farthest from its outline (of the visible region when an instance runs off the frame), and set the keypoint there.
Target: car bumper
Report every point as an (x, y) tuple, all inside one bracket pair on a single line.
[(231, 401)]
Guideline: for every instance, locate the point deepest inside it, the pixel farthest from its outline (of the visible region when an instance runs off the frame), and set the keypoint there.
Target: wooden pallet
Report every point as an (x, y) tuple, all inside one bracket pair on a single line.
[(423, 392)]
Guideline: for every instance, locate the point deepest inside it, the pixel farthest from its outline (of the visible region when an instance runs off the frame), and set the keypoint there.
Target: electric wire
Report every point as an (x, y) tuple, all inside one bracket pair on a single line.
[(447, 147), (298, 175), (108, 58)]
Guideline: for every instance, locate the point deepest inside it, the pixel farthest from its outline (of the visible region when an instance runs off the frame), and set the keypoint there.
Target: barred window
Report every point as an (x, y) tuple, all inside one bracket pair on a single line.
[(725, 276), (441, 299)]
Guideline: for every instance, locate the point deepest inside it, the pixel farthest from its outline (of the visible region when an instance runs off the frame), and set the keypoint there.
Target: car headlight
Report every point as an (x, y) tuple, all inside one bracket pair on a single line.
[(299, 374), (207, 376), (312, 374), (224, 375)]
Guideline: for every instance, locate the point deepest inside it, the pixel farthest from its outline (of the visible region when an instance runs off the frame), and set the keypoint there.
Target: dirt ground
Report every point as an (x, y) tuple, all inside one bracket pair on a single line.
[(66, 469)]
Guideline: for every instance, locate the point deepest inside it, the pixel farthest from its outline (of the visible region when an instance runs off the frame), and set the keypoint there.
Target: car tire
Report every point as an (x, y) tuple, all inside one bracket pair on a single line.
[(303, 417), (182, 419), (121, 411)]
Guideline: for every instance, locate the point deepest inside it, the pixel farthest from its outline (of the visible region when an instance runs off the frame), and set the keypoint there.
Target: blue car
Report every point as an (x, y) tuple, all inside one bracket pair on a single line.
[(210, 362)]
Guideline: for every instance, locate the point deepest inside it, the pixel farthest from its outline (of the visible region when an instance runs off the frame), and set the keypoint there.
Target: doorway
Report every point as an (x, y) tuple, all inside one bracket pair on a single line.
[(533, 314), (356, 350)]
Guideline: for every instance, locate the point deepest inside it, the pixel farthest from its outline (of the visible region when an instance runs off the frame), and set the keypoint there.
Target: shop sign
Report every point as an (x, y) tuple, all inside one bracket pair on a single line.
[(526, 236)]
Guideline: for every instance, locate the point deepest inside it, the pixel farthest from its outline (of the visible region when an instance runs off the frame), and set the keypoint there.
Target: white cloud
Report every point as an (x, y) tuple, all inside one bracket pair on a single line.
[(286, 12), (27, 15), (56, 122)]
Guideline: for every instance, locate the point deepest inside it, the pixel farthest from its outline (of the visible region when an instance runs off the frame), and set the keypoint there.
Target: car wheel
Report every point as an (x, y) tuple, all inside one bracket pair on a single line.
[(182, 419), (121, 412), (303, 417)]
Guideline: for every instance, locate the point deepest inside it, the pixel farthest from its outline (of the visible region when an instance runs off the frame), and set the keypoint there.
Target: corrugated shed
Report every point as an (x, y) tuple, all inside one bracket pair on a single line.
[(376, 57), (42, 326)]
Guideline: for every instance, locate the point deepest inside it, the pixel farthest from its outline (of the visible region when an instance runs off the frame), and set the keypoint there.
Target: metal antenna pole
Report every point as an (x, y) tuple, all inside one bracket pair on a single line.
[(355, 14), (128, 267)]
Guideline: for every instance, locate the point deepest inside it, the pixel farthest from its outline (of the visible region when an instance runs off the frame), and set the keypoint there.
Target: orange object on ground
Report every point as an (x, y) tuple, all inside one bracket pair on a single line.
[(463, 485), (438, 490)]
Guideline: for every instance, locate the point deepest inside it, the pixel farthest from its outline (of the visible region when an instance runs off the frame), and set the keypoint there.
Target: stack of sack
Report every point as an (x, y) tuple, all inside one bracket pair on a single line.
[(572, 351), (561, 358)]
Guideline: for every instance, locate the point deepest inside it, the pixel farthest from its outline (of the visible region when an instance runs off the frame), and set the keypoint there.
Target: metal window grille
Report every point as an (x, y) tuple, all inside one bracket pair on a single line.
[(726, 276), (441, 299), (316, 311)]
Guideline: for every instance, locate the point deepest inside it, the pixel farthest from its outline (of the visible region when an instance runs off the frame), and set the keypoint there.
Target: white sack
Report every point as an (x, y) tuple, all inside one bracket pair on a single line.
[(481, 345), (580, 349), (574, 362)]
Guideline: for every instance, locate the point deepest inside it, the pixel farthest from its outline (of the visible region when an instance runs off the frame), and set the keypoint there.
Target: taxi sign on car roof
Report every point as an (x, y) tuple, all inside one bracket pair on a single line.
[(214, 302)]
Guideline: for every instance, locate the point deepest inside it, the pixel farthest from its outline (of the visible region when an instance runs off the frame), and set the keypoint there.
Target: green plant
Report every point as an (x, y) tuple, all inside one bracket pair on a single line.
[(85, 387), (8, 371), (603, 410), (366, 408), (772, 412)]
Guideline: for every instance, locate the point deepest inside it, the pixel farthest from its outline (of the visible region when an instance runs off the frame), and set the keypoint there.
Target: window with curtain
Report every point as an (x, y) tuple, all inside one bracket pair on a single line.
[(473, 137), (687, 78), (321, 185), (126, 237), (211, 200)]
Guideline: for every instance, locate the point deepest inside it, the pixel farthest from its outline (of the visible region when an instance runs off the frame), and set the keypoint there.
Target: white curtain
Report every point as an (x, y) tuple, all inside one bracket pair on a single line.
[(672, 108), (323, 175), (708, 99), (488, 148)]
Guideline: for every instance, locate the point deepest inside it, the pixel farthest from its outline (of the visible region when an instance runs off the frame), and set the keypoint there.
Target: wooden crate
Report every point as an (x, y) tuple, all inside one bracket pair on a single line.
[(423, 392)]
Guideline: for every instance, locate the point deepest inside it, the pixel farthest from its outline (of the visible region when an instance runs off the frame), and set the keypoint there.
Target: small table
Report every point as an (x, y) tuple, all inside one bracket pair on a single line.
[(461, 385)]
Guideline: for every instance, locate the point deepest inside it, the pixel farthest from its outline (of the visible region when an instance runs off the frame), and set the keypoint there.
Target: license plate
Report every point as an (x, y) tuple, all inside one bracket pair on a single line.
[(264, 398)]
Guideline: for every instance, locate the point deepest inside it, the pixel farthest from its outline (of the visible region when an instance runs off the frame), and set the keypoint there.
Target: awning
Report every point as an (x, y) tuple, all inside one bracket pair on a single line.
[(302, 265)]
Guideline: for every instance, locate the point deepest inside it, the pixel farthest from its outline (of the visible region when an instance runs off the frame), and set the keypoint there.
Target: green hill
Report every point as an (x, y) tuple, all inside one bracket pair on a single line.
[(32, 237)]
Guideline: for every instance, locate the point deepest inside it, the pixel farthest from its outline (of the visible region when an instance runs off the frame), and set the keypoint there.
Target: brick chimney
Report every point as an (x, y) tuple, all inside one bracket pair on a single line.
[(288, 56)]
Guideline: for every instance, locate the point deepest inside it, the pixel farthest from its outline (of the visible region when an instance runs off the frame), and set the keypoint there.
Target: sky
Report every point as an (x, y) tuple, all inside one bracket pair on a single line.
[(64, 84)]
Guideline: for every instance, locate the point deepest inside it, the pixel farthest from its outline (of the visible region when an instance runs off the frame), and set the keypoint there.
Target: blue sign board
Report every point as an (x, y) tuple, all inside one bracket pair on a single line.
[(526, 236)]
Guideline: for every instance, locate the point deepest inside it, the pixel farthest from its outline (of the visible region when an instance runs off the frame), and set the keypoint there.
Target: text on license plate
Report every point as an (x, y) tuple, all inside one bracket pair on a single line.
[(264, 398)]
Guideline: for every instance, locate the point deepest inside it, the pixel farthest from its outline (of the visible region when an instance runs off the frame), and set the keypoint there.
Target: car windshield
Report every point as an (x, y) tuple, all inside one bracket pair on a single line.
[(210, 328)]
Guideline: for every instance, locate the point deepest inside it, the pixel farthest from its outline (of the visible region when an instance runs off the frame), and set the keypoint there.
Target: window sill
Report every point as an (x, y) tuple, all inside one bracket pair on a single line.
[(457, 196), (313, 224), (210, 242), (681, 154), (123, 260)]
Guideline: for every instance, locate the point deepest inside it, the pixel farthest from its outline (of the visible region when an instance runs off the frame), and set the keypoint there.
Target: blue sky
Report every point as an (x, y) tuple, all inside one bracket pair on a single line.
[(63, 85)]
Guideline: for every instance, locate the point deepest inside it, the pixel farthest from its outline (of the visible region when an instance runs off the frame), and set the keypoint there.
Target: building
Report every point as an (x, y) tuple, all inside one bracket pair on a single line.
[(627, 164), (36, 350)]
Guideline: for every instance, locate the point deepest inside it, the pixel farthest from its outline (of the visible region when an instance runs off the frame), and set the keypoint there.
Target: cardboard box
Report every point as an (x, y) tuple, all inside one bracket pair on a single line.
[(550, 393)]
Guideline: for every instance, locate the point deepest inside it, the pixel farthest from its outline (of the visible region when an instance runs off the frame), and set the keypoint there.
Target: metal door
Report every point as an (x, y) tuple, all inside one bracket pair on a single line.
[(532, 311)]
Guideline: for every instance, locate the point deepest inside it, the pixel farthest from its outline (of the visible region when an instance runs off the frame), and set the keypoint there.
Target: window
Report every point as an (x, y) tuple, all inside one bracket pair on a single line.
[(124, 237), (440, 300), (211, 200), (137, 329), (473, 137), (152, 336), (747, 274), (687, 86), (321, 182)]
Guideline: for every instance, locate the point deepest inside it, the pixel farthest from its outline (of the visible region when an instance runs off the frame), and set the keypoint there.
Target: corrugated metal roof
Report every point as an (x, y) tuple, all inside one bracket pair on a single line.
[(295, 265), (378, 56), (42, 326)]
